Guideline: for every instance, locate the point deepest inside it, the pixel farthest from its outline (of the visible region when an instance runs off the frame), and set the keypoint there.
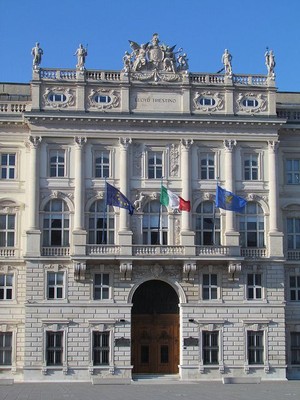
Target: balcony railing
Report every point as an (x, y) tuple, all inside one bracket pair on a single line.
[(9, 252), (212, 250), (254, 252), (293, 255), (55, 251), (102, 249), (152, 250)]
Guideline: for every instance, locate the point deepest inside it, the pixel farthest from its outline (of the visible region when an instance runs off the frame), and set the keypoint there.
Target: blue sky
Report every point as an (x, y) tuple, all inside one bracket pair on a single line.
[(203, 28)]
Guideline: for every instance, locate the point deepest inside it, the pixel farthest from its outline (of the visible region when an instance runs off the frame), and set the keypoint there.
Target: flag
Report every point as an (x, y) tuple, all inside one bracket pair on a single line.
[(168, 198), (229, 201), (115, 198)]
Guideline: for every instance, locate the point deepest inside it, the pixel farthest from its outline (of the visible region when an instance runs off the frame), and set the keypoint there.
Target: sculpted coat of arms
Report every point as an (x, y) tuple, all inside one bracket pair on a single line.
[(154, 60)]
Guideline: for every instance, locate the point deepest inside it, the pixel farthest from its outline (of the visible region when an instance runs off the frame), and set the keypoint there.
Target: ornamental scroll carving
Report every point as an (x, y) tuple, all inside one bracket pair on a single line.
[(212, 101), (67, 97), (104, 99), (251, 103)]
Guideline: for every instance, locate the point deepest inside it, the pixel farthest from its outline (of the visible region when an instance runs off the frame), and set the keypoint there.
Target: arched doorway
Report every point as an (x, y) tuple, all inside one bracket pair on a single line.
[(155, 329)]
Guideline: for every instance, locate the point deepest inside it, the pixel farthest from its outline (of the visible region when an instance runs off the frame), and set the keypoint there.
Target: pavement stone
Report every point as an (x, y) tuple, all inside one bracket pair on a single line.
[(156, 390)]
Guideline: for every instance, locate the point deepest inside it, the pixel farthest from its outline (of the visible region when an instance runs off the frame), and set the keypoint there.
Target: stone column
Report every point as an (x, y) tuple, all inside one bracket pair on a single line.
[(231, 236), (125, 235), (33, 144), (187, 235), (33, 232), (79, 183), (275, 245), (79, 234)]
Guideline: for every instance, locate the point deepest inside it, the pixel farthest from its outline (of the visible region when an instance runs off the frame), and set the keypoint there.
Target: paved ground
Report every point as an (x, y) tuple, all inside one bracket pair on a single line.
[(152, 391)]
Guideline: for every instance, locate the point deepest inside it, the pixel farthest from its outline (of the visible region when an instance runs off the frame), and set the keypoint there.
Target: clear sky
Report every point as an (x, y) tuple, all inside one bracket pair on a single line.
[(203, 28)]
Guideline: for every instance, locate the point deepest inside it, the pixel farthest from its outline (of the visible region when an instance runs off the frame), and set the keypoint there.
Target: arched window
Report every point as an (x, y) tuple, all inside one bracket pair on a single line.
[(207, 224), (101, 224), (155, 224), (56, 223), (252, 226)]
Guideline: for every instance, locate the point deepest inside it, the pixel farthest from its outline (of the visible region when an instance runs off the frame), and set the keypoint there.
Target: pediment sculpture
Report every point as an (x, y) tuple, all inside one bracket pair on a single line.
[(155, 61)]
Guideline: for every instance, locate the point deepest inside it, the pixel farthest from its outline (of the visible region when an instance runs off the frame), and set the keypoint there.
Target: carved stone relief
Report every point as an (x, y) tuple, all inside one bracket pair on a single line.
[(174, 160), (111, 99), (212, 101), (251, 103), (67, 97)]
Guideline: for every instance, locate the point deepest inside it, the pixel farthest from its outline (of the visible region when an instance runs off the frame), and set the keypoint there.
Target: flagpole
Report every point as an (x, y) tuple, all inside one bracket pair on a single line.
[(159, 216), (104, 214), (214, 215)]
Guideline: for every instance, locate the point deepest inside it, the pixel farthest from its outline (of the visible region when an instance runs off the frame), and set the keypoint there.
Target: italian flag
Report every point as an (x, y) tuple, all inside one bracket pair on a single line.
[(168, 198)]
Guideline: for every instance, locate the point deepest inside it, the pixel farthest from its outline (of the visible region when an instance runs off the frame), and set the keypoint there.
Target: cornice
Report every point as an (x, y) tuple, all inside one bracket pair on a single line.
[(146, 120)]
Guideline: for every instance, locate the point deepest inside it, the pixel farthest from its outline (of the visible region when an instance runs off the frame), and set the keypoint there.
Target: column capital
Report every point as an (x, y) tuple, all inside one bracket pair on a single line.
[(229, 144), (33, 142), (273, 145), (80, 141), (186, 143), (124, 142)]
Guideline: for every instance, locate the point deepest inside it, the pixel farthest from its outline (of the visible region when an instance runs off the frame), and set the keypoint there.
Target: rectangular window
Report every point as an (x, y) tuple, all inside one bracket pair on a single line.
[(210, 286), (292, 171), (6, 286), (57, 163), (5, 348), (295, 348), (8, 166), (210, 342), (155, 164), (295, 287), (101, 287), (207, 166), (55, 285), (102, 164), (7, 230), (251, 167), (101, 348), (293, 233), (54, 348), (255, 347), (254, 287)]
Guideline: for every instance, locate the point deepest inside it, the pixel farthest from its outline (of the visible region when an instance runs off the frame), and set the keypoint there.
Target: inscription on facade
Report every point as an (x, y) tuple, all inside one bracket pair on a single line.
[(168, 102)]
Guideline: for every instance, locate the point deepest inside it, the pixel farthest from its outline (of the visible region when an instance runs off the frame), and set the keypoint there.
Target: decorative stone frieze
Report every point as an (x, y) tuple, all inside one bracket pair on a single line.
[(126, 271), (104, 99), (189, 271), (208, 101), (66, 97), (79, 271)]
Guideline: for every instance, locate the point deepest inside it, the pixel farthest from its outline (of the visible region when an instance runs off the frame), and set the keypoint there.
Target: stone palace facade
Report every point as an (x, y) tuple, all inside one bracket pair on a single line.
[(91, 293)]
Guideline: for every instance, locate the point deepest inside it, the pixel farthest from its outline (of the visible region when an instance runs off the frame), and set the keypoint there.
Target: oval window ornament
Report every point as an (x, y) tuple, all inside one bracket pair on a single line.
[(57, 97), (250, 103), (207, 101), (102, 99)]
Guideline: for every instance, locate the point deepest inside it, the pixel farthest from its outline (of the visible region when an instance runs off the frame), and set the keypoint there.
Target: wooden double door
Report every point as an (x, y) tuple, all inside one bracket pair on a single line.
[(155, 343)]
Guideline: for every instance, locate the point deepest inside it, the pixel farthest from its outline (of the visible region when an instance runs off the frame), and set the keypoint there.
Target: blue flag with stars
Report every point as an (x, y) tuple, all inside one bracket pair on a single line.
[(228, 200), (115, 198)]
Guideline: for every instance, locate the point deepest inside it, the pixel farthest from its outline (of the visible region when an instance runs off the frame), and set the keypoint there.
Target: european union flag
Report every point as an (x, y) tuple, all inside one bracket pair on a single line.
[(115, 198), (228, 200)]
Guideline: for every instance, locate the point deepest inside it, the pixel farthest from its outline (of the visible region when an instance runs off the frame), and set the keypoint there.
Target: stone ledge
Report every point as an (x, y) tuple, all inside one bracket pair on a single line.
[(229, 380), (111, 381), (6, 382)]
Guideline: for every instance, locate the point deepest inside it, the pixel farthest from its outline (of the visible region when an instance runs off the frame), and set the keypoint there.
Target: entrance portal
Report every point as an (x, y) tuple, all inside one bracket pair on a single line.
[(155, 329)]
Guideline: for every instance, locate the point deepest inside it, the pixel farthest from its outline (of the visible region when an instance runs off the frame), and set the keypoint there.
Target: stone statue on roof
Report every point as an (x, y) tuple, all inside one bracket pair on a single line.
[(37, 53), (270, 62), (81, 53), (226, 60)]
